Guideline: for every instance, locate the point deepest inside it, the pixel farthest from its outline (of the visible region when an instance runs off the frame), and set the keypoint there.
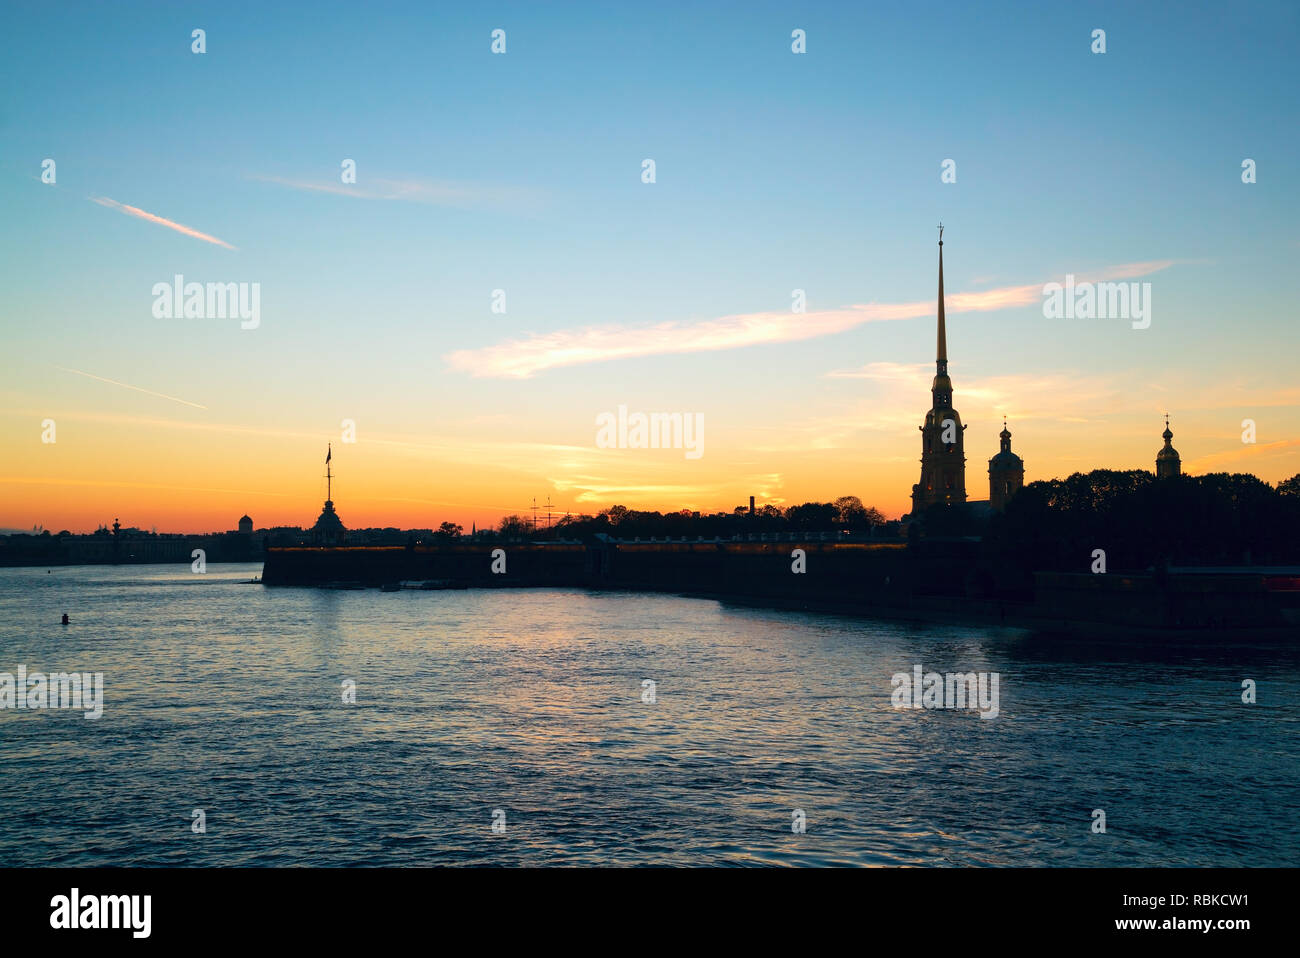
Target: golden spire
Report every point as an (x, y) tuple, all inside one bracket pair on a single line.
[(941, 361)]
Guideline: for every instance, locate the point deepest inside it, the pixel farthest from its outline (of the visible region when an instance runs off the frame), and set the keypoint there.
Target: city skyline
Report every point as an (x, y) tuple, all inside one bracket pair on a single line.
[(775, 172), (599, 436)]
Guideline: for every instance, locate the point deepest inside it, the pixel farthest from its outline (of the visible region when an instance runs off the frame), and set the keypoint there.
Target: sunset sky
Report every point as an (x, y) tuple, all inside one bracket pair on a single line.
[(522, 172)]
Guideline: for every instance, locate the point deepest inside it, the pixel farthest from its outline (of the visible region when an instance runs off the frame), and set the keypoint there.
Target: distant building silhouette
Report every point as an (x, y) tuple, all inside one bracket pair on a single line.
[(1006, 472), (943, 457), (246, 525), (1168, 463)]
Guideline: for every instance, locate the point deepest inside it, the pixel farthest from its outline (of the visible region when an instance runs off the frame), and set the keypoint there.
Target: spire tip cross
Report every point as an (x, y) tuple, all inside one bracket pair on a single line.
[(940, 234)]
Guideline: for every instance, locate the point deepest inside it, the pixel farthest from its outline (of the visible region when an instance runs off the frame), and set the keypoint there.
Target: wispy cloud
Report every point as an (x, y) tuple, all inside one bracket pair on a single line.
[(907, 374), (501, 454), (1024, 395), (429, 192), (588, 489), (161, 221), (897, 393), (1218, 461), (108, 483), (522, 358), (139, 389)]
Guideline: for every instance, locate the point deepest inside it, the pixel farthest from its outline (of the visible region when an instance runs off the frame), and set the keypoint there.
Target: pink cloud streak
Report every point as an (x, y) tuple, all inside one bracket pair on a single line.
[(522, 358), (161, 221)]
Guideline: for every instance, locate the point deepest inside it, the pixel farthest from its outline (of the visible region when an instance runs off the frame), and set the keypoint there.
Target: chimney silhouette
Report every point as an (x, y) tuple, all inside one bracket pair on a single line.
[(751, 505)]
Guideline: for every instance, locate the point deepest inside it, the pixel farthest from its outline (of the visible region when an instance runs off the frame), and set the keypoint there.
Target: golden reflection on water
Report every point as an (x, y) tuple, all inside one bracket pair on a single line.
[(228, 696)]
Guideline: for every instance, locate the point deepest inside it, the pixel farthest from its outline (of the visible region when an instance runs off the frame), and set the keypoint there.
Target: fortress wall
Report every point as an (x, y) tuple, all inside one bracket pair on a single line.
[(937, 582)]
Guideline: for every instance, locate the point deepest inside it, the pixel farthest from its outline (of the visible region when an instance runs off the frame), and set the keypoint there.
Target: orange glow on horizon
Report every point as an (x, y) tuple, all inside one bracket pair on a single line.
[(178, 478)]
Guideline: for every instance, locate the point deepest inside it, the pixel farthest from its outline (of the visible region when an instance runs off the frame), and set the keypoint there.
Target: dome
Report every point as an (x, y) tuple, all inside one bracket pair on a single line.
[(329, 521), (1168, 452), (1006, 459)]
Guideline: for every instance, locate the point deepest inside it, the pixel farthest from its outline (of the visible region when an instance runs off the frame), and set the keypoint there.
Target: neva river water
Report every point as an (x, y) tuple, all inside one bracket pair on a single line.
[(226, 697)]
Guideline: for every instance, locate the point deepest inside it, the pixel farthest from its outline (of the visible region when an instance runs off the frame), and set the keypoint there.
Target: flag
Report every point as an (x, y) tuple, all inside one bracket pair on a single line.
[(329, 451)]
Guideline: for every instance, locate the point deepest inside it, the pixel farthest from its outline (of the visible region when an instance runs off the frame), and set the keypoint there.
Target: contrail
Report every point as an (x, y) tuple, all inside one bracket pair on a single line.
[(114, 382), (178, 227)]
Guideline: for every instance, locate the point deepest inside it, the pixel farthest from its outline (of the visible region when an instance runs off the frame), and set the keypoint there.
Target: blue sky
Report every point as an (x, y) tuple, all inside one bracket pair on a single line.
[(775, 171)]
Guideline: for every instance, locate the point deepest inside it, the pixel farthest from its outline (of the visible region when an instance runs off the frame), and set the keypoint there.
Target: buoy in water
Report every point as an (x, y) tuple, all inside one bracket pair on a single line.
[(65, 618)]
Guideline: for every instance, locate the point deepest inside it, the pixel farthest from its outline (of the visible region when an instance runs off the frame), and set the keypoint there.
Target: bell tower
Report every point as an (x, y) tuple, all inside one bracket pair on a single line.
[(1168, 462), (1006, 472)]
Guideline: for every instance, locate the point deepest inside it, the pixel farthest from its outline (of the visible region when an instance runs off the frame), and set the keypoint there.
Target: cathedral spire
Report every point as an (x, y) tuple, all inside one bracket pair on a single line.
[(943, 459), (941, 360)]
